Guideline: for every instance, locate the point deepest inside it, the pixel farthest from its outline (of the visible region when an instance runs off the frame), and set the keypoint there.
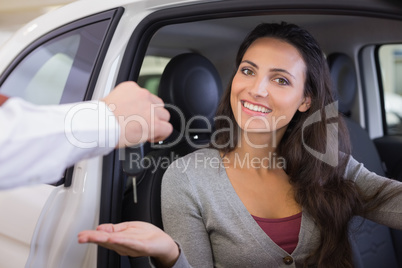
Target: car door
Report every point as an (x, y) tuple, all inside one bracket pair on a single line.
[(60, 67)]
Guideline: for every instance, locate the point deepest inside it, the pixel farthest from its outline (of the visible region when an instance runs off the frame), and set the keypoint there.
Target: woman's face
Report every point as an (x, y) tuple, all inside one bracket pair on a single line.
[(268, 87)]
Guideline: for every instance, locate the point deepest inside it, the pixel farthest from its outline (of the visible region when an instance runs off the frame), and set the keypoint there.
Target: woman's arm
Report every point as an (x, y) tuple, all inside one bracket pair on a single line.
[(182, 216), (389, 213)]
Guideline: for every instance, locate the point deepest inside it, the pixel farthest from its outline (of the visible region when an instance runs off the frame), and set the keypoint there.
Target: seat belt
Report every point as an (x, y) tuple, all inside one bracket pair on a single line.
[(3, 99)]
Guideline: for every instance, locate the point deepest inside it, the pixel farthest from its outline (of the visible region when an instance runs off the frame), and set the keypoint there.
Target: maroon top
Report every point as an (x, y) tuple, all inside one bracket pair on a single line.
[(284, 232)]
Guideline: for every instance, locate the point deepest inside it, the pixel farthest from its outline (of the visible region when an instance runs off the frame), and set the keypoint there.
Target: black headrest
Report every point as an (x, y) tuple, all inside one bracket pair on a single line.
[(191, 83), (343, 74)]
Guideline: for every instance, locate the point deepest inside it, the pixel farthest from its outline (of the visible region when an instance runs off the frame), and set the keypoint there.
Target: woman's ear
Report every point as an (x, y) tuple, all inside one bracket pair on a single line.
[(305, 105)]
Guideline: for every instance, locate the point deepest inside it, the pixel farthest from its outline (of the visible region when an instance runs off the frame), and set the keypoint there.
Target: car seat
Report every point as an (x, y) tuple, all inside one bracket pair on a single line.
[(372, 243), (191, 88)]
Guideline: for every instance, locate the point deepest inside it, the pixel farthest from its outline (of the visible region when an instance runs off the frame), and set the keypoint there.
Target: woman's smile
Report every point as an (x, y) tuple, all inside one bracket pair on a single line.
[(254, 108)]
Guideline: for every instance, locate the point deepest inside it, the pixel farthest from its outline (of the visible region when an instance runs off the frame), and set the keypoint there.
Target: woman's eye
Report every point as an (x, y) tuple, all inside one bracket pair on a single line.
[(281, 81), (247, 71)]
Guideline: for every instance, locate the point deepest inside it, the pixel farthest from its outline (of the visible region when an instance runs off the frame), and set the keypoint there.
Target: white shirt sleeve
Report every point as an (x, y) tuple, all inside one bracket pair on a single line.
[(37, 143)]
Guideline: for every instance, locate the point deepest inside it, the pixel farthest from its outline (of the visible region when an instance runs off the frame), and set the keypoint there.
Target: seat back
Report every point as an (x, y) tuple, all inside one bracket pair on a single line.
[(191, 88), (372, 243)]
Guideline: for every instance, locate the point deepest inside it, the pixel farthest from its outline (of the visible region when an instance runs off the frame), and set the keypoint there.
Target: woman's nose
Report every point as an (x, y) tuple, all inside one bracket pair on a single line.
[(259, 88)]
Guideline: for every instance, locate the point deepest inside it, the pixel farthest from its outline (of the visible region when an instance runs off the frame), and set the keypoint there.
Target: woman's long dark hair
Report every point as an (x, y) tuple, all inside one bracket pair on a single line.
[(317, 182)]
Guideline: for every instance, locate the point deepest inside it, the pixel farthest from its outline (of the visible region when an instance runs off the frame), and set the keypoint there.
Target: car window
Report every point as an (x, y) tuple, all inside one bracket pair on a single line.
[(151, 72), (390, 59), (59, 70)]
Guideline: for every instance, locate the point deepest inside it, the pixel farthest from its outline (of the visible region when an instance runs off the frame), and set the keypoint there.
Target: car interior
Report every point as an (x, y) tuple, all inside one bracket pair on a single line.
[(194, 62)]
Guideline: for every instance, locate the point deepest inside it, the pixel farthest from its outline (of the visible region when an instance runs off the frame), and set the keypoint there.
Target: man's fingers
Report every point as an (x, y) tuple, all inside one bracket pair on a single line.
[(140, 114), (162, 113), (155, 99), (162, 130)]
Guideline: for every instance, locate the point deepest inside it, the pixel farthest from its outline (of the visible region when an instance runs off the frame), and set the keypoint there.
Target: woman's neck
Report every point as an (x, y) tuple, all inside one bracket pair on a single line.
[(258, 149), (259, 144)]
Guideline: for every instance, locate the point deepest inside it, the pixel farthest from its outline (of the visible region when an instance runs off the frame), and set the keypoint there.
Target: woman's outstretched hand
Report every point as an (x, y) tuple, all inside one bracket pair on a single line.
[(134, 239)]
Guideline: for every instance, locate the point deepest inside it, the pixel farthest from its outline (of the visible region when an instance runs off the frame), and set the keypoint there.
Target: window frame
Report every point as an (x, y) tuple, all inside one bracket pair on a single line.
[(382, 90)]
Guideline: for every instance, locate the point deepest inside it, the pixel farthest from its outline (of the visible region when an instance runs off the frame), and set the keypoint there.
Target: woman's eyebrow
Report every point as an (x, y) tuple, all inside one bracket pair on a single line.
[(271, 70), (250, 62), (282, 71)]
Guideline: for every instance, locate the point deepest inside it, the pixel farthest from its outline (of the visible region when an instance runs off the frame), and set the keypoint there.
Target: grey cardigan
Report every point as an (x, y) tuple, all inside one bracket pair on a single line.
[(203, 213)]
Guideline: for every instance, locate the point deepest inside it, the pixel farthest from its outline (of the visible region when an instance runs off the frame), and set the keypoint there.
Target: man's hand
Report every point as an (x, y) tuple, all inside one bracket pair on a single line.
[(141, 115)]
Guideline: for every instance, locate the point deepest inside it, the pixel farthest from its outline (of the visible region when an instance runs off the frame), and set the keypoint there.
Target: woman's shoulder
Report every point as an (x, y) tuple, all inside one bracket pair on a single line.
[(198, 156), (203, 161), (205, 152)]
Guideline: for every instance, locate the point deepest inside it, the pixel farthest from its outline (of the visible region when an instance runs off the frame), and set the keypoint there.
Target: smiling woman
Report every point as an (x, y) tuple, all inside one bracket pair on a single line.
[(268, 87)]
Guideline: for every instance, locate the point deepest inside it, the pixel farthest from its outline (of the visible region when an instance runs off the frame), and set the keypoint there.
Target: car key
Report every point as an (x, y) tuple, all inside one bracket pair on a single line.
[(132, 165)]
